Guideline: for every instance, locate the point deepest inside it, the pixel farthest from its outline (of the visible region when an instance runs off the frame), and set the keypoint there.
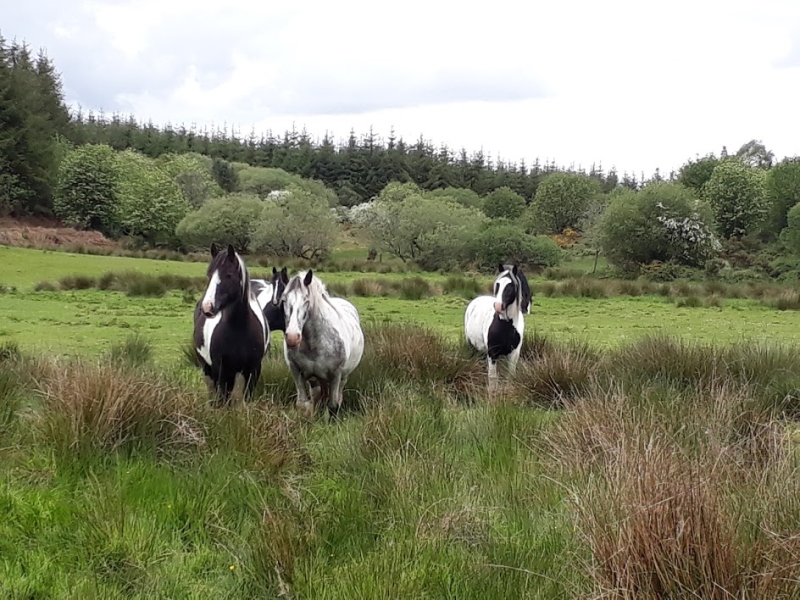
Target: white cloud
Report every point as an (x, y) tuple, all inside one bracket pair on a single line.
[(634, 84)]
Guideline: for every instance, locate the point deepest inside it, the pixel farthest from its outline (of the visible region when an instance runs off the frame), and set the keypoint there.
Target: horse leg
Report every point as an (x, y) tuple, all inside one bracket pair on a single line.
[(225, 384), (238, 388), (304, 405), (492, 375), (335, 397), (252, 382), (513, 358)]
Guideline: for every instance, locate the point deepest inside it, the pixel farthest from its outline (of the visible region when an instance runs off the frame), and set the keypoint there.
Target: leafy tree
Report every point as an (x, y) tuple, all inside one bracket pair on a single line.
[(791, 234), (503, 203), (262, 182), (225, 175), (503, 241), (783, 192), (661, 222), (192, 174), (407, 228), (87, 192), (230, 219), (755, 154), (695, 173), (299, 224), (562, 198), (150, 203), (590, 225), (397, 192), (463, 196), (738, 196)]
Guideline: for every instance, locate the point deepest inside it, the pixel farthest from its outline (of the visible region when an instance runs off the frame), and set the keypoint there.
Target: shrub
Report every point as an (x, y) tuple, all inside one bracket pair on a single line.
[(503, 203), (662, 222), (87, 190), (562, 198), (502, 242), (230, 219), (791, 234), (738, 197), (150, 203), (782, 185), (299, 223)]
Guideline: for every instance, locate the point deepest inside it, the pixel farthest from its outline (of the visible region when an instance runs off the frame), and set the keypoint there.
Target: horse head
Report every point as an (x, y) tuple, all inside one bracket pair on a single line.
[(279, 281), (228, 281), (507, 289), (296, 299)]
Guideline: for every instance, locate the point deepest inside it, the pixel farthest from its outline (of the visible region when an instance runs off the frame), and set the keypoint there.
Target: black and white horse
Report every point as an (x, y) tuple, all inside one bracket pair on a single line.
[(268, 293), (495, 324), (323, 342), (231, 335)]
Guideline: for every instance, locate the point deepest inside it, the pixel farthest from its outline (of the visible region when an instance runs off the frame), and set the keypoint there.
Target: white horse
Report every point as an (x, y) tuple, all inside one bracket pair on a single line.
[(323, 341), (494, 325)]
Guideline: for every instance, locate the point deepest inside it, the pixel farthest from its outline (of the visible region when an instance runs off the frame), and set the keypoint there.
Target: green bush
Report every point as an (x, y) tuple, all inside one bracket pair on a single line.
[(87, 191), (562, 199), (299, 224), (783, 192), (230, 219), (503, 242), (150, 201), (662, 222), (503, 203), (791, 234), (737, 194)]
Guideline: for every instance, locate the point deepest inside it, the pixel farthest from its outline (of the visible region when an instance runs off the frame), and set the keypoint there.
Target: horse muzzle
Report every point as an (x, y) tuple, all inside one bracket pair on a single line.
[(293, 339), (208, 309), (498, 307)]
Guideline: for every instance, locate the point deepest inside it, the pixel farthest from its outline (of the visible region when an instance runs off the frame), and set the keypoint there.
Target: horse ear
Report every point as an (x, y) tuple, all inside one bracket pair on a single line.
[(214, 250), (308, 277), (500, 268), (231, 252), (514, 270), (274, 271), (284, 276)]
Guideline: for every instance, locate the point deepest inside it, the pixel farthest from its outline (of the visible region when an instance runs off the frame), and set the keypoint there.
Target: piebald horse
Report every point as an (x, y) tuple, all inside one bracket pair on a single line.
[(494, 324), (323, 342), (268, 293), (231, 335)]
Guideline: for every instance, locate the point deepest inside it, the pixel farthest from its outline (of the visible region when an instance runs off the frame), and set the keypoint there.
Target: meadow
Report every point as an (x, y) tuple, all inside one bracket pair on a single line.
[(646, 447)]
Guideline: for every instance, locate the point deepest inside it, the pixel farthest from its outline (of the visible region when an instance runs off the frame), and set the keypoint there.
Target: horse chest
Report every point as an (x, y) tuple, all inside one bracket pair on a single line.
[(503, 338), (318, 357)]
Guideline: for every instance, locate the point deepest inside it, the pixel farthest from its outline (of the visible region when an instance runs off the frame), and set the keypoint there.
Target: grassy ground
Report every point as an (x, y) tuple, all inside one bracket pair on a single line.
[(623, 467), (80, 321), (654, 470)]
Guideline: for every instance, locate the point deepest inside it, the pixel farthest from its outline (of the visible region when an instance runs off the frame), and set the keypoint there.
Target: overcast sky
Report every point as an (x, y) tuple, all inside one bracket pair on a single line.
[(638, 84)]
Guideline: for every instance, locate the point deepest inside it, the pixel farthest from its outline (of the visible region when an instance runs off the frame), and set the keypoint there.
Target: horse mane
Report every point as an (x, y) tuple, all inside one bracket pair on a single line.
[(317, 292), (247, 293)]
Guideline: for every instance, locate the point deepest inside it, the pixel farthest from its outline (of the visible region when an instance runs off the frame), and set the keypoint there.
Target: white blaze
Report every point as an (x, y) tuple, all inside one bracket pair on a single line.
[(211, 292)]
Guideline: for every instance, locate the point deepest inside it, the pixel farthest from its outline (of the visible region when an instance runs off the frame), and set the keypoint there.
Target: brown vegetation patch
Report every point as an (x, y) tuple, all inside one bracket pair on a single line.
[(46, 235)]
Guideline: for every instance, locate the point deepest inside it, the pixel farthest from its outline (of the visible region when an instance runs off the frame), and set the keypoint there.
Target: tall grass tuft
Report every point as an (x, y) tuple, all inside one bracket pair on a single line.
[(135, 351), (556, 374), (89, 408)]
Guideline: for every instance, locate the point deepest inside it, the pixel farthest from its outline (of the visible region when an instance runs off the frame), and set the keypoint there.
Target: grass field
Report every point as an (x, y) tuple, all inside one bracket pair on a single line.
[(619, 462), (84, 321)]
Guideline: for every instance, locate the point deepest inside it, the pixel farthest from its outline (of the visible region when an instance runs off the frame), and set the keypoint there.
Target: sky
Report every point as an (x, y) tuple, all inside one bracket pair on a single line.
[(633, 84)]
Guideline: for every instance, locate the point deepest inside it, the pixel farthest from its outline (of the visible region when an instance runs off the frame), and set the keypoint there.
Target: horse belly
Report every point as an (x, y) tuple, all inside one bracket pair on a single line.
[(477, 319)]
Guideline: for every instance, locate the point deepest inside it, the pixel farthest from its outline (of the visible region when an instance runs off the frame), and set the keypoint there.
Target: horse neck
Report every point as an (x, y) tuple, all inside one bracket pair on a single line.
[(320, 312)]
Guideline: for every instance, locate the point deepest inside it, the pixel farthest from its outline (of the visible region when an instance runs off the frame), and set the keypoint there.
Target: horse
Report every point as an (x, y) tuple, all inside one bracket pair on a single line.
[(495, 324), (231, 334), (268, 293), (323, 342)]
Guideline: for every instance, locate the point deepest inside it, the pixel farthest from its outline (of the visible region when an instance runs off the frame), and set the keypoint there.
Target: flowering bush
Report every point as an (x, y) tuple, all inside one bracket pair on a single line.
[(661, 222)]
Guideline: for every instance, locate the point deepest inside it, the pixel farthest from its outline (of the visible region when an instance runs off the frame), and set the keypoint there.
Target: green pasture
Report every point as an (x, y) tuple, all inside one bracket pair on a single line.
[(70, 322)]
